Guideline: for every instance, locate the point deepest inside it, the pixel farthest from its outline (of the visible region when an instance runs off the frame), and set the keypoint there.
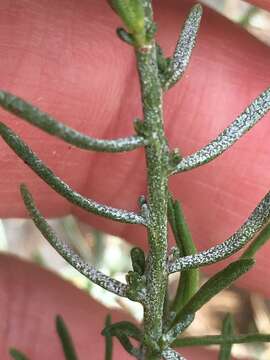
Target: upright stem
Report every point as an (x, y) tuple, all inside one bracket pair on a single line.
[(157, 158)]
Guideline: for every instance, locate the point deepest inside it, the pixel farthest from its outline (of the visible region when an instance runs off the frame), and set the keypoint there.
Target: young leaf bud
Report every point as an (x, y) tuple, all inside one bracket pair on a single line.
[(132, 14)]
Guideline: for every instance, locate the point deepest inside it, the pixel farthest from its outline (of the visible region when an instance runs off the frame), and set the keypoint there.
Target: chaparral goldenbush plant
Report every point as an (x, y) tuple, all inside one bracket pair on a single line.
[(164, 320)]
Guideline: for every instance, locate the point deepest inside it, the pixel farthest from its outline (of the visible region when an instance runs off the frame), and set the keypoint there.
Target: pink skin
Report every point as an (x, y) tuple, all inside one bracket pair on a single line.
[(28, 308), (75, 68)]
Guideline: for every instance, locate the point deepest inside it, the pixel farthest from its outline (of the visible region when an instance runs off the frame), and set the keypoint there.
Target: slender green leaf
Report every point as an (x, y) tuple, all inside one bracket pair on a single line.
[(184, 47), (67, 253), (126, 327), (108, 340), (257, 243), (255, 223), (214, 285), (227, 331), (66, 340), (17, 355), (242, 124), (172, 222), (189, 280), (127, 345), (220, 340), (122, 331), (47, 123), (58, 185)]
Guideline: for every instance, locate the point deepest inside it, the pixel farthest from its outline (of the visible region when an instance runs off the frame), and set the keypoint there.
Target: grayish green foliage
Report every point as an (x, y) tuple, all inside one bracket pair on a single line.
[(148, 282), (45, 122), (65, 338), (67, 253)]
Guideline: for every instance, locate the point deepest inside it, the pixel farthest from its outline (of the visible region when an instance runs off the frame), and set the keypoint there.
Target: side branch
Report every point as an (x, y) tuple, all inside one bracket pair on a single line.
[(184, 47), (243, 123), (47, 123), (255, 223), (31, 159), (67, 253)]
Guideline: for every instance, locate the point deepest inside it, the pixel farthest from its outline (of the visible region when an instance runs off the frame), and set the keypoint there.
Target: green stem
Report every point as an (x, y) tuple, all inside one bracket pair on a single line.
[(227, 331), (157, 158), (108, 340)]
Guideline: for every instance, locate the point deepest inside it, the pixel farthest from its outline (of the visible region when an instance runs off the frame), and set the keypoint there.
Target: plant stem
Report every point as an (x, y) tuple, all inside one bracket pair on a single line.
[(157, 158)]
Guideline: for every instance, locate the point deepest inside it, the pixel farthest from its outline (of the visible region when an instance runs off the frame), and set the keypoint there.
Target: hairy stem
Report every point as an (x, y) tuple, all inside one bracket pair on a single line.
[(157, 158)]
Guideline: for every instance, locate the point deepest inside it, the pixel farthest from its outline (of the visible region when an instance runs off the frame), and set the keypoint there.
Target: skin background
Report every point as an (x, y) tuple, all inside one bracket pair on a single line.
[(74, 67)]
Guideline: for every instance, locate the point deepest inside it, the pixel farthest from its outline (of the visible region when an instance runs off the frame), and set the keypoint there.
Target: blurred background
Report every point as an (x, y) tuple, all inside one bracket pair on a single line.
[(111, 254)]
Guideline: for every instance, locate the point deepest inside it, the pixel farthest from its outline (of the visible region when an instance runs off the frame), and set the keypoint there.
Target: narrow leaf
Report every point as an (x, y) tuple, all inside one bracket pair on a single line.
[(220, 340), (227, 331), (184, 47), (31, 159), (242, 124), (214, 285), (255, 223), (257, 243), (17, 355), (108, 340), (189, 280), (171, 217), (122, 331), (68, 254), (47, 123), (126, 327), (127, 345), (172, 222), (66, 340)]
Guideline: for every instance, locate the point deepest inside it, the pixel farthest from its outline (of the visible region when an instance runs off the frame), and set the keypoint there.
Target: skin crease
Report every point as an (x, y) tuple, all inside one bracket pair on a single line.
[(75, 68)]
